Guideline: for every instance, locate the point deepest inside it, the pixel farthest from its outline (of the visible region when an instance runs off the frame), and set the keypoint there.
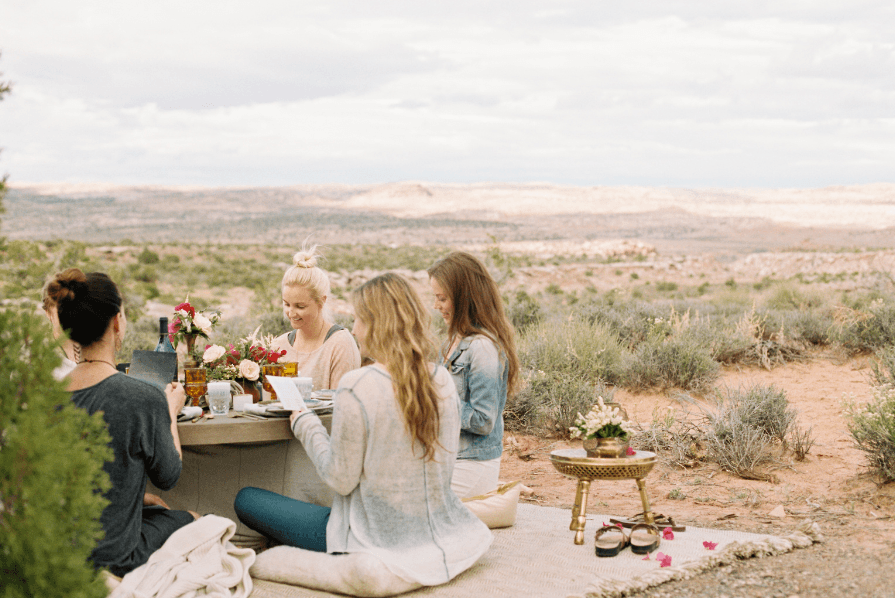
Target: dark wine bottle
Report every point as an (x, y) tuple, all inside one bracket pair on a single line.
[(164, 341)]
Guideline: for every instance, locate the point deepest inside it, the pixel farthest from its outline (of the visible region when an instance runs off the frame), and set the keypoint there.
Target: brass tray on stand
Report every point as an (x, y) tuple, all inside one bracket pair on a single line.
[(574, 463)]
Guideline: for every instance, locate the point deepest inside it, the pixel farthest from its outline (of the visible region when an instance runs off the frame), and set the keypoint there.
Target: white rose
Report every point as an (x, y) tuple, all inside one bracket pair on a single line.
[(203, 324), (213, 353), (249, 370)]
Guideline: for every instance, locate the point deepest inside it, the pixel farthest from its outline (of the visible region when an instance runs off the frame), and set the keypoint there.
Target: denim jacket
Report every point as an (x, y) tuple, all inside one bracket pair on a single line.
[(480, 373)]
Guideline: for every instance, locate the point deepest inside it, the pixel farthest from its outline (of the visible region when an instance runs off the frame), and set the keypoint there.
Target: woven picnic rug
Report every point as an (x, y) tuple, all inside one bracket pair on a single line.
[(537, 557)]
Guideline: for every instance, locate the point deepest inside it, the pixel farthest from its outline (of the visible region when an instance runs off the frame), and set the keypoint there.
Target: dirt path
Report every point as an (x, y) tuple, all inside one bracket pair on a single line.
[(831, 486)]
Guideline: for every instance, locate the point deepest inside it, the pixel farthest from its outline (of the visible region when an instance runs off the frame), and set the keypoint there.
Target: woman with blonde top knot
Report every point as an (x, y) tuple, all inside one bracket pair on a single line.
[(323, 350)]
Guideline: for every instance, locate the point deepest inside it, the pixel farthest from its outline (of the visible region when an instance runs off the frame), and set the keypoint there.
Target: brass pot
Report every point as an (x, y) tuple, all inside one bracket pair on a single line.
[(605, 448)]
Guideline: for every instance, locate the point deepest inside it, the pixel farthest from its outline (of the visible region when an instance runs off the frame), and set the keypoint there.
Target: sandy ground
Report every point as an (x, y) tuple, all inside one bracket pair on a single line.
[(832, 487)]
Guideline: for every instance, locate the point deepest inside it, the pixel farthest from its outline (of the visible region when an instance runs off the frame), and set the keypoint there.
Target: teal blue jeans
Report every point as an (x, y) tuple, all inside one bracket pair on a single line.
[(286, 520)]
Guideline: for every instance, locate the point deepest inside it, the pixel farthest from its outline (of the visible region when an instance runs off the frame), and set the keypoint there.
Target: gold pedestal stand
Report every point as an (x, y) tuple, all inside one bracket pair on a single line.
[(574, 463)]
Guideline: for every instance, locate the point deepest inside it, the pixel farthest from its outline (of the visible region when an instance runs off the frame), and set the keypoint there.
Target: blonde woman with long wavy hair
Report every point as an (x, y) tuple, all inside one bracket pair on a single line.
[(389, 457)]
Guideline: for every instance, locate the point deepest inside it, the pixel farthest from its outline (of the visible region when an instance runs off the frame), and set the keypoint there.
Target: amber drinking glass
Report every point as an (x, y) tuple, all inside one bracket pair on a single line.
[(271, 369), (195, 392), (195, 384), (195, 376)]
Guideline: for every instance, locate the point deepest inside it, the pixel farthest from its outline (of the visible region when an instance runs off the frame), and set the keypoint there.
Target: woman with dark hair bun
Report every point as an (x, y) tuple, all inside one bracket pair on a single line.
[(480, 354), (71, 352), (142, 421)]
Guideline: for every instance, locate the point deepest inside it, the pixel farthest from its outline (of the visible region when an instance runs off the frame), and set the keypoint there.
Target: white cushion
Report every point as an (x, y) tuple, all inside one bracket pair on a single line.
[(498, 507)]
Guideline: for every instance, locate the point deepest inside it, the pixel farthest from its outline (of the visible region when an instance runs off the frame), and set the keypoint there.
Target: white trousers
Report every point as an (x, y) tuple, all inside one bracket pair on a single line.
[(472, 478)]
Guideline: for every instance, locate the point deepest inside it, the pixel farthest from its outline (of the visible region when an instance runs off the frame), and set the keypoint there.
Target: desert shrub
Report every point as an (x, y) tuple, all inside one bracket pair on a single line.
[(872, 428), (864, 330), (142, 334), (800, 442), (788, 296), (147, 256), (883, 368), (549, 402), (812, 326), (572, 346), (737, 446), (740, 429), (680, 361), (51, 477), (764, 408), (731, 301), (523, 311), (757, 339), (632, 322), (673, 436)]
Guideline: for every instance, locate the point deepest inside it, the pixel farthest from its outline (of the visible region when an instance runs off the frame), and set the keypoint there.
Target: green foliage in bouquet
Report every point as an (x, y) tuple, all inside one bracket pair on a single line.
[(51, 477)]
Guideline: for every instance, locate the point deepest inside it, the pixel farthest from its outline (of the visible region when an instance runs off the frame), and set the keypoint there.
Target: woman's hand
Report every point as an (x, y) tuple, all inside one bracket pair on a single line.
[(294, 416), (176, 398)]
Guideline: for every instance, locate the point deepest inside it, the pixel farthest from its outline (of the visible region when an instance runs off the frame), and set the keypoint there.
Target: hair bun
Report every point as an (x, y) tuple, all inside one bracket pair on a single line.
[(67, 285), (305, 259)]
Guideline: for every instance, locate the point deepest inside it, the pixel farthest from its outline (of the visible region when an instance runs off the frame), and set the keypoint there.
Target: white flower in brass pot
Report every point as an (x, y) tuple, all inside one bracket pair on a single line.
[(601, 422)]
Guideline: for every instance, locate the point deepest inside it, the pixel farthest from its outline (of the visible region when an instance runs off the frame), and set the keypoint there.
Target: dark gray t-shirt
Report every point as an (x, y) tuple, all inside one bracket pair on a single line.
[(139, 424)]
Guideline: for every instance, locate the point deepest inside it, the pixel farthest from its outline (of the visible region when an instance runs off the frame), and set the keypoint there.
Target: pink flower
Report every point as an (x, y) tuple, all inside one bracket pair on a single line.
[(664, 559), (630, 451), (187, 308), (710, 545), (667, 534)]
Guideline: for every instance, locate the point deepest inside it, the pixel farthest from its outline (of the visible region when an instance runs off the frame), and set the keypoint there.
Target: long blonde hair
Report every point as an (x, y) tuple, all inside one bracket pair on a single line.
[(398, 334), (478, 306)]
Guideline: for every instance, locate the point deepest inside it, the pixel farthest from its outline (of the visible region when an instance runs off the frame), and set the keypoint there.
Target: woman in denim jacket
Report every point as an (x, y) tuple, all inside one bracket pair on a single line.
[(480, 354)]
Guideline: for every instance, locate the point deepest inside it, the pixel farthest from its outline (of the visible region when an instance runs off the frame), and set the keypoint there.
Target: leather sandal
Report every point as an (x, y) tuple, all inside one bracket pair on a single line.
[(644, 538), (610, 540), (659, 520)]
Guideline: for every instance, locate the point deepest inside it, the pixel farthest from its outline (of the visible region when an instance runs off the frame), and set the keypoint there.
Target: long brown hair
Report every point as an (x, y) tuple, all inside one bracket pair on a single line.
[(398, 334), (478, 307)]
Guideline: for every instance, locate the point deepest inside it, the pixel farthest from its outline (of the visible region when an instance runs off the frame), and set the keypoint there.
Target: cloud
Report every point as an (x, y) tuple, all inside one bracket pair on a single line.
[(690, 93)]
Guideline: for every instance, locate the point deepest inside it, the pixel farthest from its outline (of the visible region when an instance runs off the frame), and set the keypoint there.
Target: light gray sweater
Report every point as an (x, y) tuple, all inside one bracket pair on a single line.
[(391, 503)]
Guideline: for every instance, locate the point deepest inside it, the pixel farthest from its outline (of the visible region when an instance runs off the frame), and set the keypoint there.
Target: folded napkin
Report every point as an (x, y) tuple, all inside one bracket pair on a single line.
[(189, 413), (258, 409)]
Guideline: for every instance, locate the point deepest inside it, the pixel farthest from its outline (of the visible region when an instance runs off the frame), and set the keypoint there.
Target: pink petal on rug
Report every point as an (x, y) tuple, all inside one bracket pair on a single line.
[(667, 534), (710, 545)]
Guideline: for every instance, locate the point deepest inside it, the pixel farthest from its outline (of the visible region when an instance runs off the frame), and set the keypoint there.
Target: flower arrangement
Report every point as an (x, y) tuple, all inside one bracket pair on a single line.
[(187, 324), (601, 421), (242, 359)]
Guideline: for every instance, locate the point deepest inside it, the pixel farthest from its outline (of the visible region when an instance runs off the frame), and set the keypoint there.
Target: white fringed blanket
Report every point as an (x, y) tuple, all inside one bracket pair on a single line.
[(537, 558)]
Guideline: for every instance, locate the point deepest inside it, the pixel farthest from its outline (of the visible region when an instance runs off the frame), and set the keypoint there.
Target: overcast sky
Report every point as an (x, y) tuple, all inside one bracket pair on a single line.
[(695, 94)]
